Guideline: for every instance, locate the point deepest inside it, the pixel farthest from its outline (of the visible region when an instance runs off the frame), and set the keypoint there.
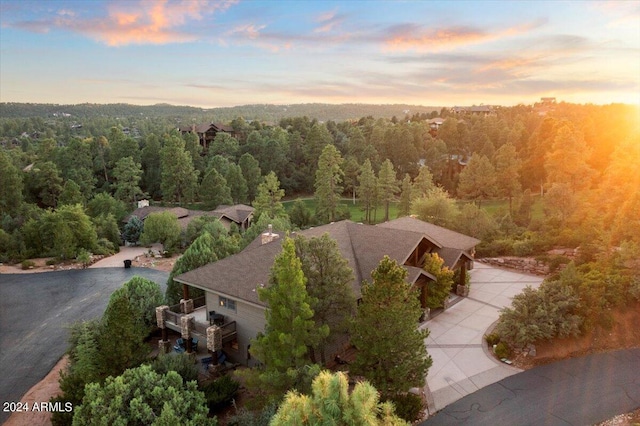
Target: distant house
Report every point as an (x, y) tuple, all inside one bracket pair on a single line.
[(231, 284), (207, 132), (239, 214), (473, 110)]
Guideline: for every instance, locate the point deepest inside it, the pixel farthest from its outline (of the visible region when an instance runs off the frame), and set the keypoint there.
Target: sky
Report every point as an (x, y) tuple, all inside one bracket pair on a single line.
[(237, 52)]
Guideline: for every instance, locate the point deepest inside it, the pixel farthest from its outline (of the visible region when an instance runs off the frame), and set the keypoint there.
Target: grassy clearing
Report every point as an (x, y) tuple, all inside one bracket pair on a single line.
[(493, 207), (356, 210)]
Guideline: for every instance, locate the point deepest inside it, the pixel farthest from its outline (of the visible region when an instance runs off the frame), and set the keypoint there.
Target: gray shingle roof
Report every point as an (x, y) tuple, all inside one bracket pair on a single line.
[(363, 246), (445, 237)]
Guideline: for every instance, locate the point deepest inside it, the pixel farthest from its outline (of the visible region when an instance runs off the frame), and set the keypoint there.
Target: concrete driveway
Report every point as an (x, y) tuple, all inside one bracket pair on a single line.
[(461, 365), (35, 311)]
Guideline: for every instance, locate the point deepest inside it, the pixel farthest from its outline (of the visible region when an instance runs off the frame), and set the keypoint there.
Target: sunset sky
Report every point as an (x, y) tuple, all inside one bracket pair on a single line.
[(225, 53)]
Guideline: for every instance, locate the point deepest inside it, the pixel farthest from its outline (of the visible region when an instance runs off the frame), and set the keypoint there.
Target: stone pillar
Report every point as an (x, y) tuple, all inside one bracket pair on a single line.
[(186, 306), (186, 325), (163, 345)]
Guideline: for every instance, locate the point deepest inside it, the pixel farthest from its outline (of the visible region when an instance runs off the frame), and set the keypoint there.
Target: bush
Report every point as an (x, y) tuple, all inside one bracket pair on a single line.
[(181, 364), (502, 350), (556, 261), (220, 392), (28, 264), (409, 406), (492, 339), (53, 261), (248, 418)]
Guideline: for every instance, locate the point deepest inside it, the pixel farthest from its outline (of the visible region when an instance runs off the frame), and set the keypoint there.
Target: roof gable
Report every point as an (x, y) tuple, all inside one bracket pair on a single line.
[(445, 237)]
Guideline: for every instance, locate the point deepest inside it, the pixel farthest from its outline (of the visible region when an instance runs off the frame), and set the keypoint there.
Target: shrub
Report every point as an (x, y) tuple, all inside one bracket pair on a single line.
[(248, 418), (83, 257), (409, 406), (181, 364), (220, 392), (492, 339), (28, 264), (53, 261), (556, 261), (502, 350)]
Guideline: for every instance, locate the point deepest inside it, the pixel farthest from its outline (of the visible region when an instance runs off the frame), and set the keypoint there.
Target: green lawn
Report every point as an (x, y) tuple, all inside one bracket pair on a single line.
[(357, 213)]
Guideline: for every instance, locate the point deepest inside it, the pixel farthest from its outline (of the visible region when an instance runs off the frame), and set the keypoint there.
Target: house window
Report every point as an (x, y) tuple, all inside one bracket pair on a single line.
[(228, 303)]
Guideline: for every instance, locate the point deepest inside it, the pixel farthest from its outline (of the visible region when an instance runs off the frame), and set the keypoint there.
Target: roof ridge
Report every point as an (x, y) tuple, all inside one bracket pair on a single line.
[(348, 224)]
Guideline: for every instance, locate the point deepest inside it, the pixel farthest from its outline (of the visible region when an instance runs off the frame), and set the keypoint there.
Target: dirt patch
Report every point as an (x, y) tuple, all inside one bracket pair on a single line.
[(624, 333), (161, 264), (44, 390)]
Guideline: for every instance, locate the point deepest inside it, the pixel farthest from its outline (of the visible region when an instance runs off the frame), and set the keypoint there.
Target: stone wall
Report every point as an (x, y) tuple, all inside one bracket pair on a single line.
[(523, 264)]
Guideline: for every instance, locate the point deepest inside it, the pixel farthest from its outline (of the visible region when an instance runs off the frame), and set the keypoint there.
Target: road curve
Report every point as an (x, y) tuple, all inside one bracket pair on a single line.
[(35, 311), (578, 391)]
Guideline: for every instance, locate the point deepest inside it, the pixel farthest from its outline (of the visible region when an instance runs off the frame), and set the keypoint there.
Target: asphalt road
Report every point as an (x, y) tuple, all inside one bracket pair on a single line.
[(35, 310), (578, 391)]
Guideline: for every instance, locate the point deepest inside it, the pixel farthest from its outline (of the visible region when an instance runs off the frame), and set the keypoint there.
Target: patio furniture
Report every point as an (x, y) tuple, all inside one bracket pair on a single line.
[(179, 346), (194, 344)]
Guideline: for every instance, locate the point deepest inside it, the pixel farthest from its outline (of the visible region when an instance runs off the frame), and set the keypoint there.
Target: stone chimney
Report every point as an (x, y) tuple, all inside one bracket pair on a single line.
[(269, 236)]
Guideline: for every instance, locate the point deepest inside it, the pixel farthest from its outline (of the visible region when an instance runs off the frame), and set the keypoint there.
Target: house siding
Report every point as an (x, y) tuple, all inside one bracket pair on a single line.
[(249, 322)]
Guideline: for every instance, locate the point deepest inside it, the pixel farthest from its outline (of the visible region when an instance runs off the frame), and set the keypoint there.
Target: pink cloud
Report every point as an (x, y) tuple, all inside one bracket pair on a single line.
[(328, 21), (252, 34), (142, 22), (409, 37)]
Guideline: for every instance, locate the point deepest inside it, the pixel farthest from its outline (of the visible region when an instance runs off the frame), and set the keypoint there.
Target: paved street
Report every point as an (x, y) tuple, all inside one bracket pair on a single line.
[(579, 391), (35, 310), (461, 365)]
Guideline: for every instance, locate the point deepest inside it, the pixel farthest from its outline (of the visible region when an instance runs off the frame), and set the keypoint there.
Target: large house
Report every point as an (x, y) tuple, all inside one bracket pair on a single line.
[(239, 214), (207, 132), (231, 284)]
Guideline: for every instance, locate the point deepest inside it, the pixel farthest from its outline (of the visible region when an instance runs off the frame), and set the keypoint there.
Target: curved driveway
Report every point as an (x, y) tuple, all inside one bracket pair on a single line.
[(578, 391), (35, 310)]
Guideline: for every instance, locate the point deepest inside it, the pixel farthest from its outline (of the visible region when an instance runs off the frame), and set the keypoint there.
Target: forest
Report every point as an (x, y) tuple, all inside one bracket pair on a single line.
[(566, 178)]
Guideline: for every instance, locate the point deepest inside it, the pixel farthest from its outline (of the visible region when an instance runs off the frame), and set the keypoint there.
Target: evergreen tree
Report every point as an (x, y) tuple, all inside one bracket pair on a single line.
[(151, 166), (198, 254), (328, 179), (329, 280), (300, 214), (122, 146), (367, 189), (140, 396), (252, 174), (119, 324), (70, 194), (11, 188), (178, 178), (406, 189), (477, 180), (391, 350), (331, 404), (387, 186), (290, 330), (237, 184), (214, 190), (133, 230), (144, 296), (508, 173), (437, 208), (268, 198), (127, 175)]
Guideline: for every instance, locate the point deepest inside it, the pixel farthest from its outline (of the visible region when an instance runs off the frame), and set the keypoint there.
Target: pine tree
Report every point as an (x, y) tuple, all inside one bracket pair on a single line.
[(478, 179), (387, 186), (290, 329), (329, 279), (252, 174), (198, 254), (508, 173), (367, 189), (178, 178), (391, 350), (268, 198), (328, 179), (214, 190), (406, 189), (331, 404), (127, 175), (11, 188)]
